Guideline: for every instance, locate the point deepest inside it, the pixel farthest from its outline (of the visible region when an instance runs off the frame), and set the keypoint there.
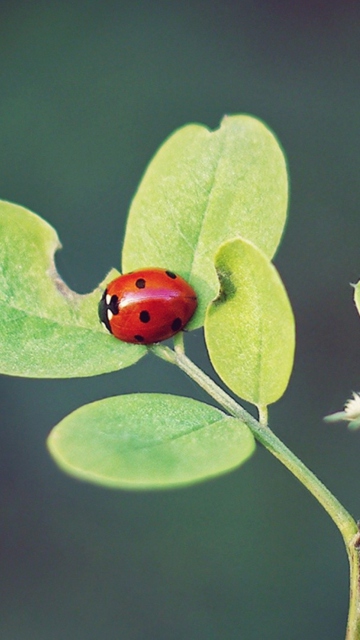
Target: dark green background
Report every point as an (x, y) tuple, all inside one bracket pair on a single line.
[(88, 91)]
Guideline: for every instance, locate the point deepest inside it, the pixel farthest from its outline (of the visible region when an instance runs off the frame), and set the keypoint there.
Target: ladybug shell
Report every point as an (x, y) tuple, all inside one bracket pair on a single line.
[(146, 306)]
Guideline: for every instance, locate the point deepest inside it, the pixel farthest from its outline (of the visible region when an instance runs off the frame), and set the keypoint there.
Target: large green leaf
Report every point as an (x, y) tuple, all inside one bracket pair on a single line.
[(250, 329), (201, 189), (149, 441), (47, 330)]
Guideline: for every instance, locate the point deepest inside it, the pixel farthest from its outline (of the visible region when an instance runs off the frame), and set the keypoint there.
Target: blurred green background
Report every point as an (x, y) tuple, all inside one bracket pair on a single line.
[(88, 91)]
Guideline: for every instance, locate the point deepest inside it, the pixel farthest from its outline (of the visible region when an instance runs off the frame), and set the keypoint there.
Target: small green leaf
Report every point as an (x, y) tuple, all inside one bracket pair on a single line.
[(250, 329), (201, 189), (47, 330), (357, 295), (149, 441)]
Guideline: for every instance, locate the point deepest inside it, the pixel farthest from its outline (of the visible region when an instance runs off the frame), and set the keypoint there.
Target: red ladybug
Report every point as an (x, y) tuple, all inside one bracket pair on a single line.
[(146, 306)]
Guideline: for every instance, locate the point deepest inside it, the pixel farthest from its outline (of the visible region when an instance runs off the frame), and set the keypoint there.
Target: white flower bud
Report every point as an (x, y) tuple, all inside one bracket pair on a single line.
[(351, 413)]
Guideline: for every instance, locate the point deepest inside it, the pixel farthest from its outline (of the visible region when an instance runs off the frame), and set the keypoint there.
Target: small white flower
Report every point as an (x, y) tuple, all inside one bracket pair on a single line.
[(352, 407), (351, 413)]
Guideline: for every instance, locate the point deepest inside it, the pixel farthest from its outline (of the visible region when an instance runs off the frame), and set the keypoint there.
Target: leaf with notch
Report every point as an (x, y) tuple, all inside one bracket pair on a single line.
[(203, 188), (46, 329), (250, 328)]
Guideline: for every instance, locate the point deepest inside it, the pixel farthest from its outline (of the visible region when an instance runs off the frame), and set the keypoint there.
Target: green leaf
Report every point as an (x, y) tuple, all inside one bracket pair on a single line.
[(149, 441), (250, 329), (47, 330), (357, 295), (201, 189)]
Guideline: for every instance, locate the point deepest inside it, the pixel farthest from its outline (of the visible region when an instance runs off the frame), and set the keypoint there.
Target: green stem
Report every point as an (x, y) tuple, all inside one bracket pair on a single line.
[(344, 521), (263, 415), (353, 624), (179, 342)]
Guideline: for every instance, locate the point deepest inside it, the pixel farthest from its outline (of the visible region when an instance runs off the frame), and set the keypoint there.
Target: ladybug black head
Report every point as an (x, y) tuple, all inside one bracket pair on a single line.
[(108, 307)]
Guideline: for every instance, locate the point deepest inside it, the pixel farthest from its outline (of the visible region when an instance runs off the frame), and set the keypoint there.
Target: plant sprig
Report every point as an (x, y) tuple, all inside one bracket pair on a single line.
[(212, 207)]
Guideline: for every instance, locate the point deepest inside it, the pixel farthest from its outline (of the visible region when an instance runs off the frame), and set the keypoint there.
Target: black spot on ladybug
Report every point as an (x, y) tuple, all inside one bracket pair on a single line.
[(144, 316), (171, 274), (176, 324), (139, 338), (140, 283)]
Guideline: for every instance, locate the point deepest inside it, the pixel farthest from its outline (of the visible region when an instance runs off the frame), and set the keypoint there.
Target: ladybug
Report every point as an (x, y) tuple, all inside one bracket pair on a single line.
[(146, 306)]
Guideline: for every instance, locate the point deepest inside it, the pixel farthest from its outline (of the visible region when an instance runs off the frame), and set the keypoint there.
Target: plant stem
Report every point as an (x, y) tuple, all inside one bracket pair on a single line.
[(353, 624), (344, 521), (263, 415)]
